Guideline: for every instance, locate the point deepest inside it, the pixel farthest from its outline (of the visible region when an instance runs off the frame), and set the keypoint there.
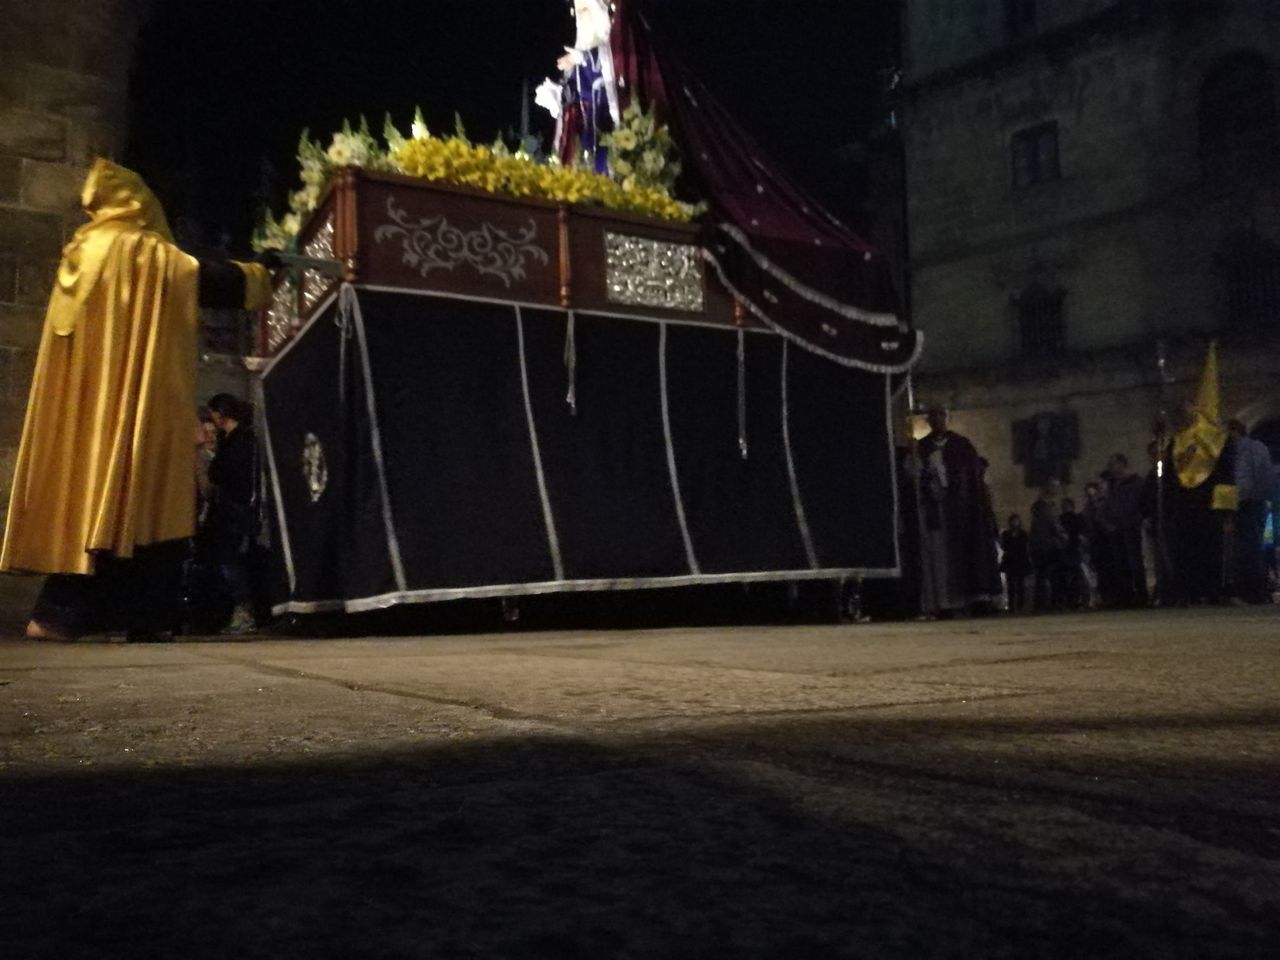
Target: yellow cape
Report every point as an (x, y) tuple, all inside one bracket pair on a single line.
[(106, 459)]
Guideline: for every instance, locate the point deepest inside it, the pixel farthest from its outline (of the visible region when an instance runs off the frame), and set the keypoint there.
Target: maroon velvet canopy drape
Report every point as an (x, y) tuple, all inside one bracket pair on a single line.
[(786, 259)]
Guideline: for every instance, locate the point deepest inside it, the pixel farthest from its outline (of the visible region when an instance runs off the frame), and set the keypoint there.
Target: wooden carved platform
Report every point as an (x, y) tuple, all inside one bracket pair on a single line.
[(405, 233)]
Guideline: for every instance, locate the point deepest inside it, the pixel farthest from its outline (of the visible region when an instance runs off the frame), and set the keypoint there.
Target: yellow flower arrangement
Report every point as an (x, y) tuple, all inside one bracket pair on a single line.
[(454, 161), (644, 185)]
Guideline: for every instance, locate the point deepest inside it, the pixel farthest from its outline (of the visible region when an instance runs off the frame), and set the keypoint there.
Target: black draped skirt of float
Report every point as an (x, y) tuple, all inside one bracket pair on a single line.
[(422, 448)]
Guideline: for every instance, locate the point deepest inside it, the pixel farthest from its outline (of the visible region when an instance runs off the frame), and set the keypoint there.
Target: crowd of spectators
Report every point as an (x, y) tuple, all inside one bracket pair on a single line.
[(1130, 545), (1128, 539)]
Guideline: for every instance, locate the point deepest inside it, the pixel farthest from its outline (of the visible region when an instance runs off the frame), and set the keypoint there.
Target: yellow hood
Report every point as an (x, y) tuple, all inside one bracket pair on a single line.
[(116, 201), (1197, 447)]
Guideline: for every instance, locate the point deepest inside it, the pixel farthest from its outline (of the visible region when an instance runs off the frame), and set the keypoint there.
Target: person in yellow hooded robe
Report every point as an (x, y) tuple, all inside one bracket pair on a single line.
[(102, 495), (1202, 476)]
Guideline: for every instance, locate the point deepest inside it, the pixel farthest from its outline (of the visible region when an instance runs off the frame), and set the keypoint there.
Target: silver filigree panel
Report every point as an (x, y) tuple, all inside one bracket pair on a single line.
[(282, 316), (319, 247), (432, 243), (314, 467), (653, 273)]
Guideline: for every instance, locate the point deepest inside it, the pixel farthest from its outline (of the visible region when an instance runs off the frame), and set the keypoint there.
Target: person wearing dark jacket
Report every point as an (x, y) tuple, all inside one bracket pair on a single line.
[(1016, 563), (1100, 533), (1075, 584), (232, 475), (1124, 511), (1255, 477), (1048, 545)]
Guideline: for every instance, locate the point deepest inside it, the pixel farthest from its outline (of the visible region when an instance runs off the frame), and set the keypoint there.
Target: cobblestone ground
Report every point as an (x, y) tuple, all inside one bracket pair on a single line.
[(1092, 786)]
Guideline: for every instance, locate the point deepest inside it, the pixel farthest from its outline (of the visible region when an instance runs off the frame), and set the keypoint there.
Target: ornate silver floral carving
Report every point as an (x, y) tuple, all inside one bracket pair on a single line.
[(319, 247), (314, 467), (653, 273), (282, 315), (432, 243)]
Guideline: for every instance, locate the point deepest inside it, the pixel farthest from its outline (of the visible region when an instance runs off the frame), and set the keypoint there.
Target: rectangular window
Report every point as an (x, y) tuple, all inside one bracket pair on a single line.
[(1035, 155), (1020, 18), (1042, 322)]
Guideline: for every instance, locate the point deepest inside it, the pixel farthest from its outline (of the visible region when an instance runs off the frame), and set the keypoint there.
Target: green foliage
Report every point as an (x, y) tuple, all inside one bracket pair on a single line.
[(460, 130)]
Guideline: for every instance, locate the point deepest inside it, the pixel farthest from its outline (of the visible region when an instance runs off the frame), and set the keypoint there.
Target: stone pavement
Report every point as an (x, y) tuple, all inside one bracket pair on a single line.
[(1100, 785)]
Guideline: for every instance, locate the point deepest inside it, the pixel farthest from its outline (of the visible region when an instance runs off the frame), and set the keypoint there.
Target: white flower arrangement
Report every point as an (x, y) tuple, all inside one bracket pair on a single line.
[(641, 151), (349, 147)]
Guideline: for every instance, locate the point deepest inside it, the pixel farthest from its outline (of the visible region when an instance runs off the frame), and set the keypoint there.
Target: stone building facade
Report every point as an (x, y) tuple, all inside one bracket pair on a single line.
[(1093, 187), (64, 70)]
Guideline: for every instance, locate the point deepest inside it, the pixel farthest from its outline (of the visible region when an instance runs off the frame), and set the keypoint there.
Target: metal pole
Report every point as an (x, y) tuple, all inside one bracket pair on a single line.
[(1162, 557), (1163, 567)]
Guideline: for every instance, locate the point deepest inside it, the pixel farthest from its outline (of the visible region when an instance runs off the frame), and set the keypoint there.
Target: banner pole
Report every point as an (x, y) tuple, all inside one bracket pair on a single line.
[(1163, 572)]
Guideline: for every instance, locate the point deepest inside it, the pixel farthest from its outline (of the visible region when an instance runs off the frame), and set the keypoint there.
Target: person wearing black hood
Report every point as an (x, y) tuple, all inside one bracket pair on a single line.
[(232, 476)]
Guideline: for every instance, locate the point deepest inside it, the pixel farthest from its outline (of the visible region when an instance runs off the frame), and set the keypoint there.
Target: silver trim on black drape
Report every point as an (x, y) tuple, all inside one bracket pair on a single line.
[(548, 516), (802, 520), (743, 446), (260, 397), (375, 435), (671, 453)]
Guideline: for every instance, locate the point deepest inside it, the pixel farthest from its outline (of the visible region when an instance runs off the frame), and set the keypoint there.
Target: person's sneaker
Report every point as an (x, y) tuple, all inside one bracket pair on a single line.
[(242, 622)]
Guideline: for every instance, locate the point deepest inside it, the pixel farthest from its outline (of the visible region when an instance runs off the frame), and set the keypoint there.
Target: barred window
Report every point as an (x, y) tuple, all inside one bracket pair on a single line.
[(1035, 155), (1250, 268), (1042, 321), (1020, 18), (1239, 124)]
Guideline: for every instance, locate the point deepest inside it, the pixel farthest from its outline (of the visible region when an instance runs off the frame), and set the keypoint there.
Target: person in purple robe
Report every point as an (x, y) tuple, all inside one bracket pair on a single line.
[(959, 560), (585, 101)]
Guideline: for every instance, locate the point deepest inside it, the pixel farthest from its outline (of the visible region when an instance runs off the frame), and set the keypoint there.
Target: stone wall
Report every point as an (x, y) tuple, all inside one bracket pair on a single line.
[(1132, 231), (943, 34), (63, 101), (961, 191)]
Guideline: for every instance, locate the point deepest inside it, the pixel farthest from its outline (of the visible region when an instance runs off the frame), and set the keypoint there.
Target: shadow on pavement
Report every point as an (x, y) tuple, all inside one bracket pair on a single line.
[(555, 849)]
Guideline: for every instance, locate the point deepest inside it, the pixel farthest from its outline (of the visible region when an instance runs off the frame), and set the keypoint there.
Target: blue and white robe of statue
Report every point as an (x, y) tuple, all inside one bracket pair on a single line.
[(589, 109)]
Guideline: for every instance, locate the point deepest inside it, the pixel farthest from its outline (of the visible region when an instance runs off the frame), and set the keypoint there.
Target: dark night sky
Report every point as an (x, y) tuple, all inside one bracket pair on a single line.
[(220, 86)]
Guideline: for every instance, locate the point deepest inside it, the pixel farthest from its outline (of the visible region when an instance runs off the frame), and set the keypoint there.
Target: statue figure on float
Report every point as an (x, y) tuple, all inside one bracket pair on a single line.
[(585, 100)]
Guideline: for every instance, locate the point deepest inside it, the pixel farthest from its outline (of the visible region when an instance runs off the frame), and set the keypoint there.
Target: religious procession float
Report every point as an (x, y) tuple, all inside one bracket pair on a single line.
[(650, 360)]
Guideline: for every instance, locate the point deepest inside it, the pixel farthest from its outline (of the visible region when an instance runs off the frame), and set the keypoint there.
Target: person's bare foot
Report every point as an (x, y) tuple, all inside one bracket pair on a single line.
[(38, 631)]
